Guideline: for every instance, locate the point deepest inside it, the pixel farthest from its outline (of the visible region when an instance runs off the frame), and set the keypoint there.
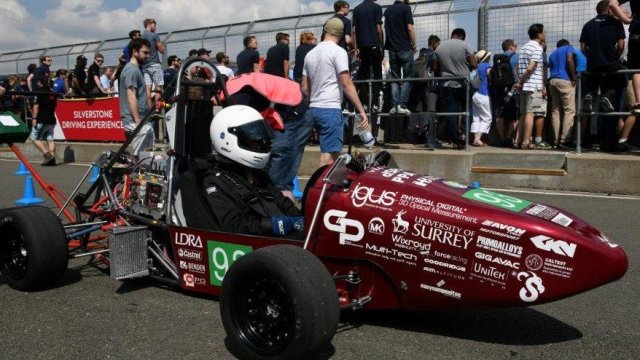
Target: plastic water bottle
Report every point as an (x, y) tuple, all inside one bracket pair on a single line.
[(364, 132), (509, 95)]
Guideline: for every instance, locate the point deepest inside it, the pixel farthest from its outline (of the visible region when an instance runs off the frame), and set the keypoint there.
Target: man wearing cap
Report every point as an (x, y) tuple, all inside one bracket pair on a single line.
[(481, 103), (325, 77), (223, 61), (152, 68), (248, 60), (201, 71)]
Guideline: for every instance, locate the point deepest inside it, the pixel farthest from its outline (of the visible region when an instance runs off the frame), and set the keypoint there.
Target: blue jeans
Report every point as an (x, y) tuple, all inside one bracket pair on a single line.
[(287, 148), (400, 60), (454, 101)]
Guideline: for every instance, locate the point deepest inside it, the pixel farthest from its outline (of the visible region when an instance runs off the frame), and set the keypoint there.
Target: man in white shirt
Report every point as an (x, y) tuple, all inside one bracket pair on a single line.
[(223, 60), (325, 77), (105, 79), (533, 95)]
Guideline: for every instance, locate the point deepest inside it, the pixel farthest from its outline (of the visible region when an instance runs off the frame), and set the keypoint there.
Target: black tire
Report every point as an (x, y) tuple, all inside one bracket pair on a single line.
[(279, 302), (33, 248)]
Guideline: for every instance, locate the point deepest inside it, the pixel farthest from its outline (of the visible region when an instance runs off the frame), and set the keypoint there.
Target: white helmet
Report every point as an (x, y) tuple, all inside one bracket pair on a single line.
[(239, 133)]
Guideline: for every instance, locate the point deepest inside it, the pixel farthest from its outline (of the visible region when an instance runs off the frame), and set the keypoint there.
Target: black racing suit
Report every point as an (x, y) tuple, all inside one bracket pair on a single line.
[(243, 200)]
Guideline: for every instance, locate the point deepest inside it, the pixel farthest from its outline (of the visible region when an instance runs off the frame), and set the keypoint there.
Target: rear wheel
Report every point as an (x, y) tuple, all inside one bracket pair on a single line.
[(33, 248), (279, 302)]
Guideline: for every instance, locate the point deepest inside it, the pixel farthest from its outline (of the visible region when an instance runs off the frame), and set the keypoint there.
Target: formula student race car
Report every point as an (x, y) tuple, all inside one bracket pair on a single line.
[(376, 238)]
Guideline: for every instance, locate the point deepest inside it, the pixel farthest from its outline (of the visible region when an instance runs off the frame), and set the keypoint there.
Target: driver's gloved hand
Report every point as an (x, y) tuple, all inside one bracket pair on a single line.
[(283, 225)]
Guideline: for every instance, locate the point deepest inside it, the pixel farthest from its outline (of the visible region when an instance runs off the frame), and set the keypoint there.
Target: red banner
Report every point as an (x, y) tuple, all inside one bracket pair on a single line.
[(89, 120)]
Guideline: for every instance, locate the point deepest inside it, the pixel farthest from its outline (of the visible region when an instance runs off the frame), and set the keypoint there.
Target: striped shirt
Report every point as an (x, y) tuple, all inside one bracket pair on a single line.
[(531, 51)]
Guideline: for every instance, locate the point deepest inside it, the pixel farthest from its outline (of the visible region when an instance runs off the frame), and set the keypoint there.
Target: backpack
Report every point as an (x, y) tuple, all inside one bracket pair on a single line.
[(422, 68), (502, 73)]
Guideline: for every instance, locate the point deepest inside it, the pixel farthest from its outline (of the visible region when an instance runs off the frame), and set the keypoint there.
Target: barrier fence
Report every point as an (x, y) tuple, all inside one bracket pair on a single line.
[(487, 23)]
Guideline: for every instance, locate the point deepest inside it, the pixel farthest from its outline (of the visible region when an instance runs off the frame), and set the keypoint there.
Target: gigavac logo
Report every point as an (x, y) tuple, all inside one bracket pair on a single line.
[(532, 286), (559, 247), (364, 195), (376, 226), (350, 230), (188, 240)]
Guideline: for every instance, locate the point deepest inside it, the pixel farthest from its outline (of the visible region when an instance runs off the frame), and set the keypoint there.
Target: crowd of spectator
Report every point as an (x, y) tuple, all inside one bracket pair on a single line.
[(521, 97)]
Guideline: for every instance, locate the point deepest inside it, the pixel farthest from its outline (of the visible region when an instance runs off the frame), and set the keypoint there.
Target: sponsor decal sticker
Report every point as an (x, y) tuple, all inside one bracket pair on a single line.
[(507, 231), (184, 239), (562, 219), (606, 240), (500, 247), (445, 265), (444, 209), (455, 258), (391, 254), (376, 226), (454, 184), (498, 260), (199, 268), (534, 262), (423, 181), (489, 273), (498, 200), (189, 254), (400, 225), (350, 230), (409, 244), (189, 280), (438, 289), (369, 197), (447, 234), (221, 256), (532, 288), (559, 247), (557, 268)]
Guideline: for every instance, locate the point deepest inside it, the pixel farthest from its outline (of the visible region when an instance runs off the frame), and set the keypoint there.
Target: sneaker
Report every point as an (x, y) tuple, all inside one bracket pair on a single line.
[(403, 110), (49, 160), (566, 145), (606, 105), (543, 145), (393, 110), (623, 147), (430, 147), (635, 109), (586, 103)]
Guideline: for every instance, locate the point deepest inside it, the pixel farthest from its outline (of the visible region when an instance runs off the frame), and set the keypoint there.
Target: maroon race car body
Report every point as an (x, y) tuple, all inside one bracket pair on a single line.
[(421, 243)]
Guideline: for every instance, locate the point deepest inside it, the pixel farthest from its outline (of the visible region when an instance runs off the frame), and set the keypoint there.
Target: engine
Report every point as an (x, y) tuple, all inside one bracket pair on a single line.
[(148, 188)]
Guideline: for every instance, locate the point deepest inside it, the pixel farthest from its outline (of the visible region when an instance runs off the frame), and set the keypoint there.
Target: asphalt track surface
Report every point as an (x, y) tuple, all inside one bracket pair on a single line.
[(90, 316)]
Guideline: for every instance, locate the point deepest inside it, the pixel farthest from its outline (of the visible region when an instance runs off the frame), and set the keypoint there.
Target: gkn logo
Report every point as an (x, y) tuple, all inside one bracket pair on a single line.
[(559, 247), (349, 229)]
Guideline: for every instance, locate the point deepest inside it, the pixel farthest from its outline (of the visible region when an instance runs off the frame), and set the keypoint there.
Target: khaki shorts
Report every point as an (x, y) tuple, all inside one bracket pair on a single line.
[(533, 102)]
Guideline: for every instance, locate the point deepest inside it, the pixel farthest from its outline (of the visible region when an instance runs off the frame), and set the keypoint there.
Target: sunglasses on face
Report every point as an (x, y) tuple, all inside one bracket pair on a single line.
[(99, 60)]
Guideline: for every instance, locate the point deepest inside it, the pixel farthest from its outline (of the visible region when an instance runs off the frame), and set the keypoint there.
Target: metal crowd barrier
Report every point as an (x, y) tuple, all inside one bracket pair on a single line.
[(594, 114), (466, 113)]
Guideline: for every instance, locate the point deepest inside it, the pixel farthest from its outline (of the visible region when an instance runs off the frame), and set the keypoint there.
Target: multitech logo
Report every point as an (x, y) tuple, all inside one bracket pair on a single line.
[(559, 247), (350, 230)]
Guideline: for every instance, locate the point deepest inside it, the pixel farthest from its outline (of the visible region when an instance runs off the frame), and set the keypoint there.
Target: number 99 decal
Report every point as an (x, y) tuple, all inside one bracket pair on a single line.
[(221, 256), (498, 200)]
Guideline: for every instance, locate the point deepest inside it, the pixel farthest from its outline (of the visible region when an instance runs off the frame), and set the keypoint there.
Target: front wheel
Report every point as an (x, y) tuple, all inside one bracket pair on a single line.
[(279, 302), (33, 248)]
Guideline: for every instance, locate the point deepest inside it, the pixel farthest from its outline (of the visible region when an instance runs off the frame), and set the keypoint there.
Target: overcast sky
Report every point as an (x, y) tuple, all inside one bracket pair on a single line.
[(29, 24)]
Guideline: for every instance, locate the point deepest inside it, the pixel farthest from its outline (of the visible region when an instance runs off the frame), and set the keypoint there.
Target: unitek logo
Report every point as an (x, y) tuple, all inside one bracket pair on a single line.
[(335, 220), (559, 247)]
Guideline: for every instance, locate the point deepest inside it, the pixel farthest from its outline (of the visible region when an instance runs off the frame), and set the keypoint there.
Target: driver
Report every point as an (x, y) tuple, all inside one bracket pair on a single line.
[(240, 195)]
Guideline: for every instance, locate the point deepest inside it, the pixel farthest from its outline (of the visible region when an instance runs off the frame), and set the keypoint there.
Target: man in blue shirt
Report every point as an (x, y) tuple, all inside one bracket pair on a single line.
[(562, 77)]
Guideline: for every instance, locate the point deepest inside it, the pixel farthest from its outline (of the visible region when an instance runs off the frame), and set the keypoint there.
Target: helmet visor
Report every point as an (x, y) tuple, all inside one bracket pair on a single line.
[(254, 136)]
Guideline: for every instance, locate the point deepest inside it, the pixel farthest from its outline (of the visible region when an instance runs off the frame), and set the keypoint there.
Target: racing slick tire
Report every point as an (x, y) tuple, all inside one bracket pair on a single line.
[(33, 248), (279, 302)]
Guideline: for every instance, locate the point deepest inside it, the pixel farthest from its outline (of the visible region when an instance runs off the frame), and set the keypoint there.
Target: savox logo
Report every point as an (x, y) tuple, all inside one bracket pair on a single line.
[(533, 286), (559, 247), (336, 220)]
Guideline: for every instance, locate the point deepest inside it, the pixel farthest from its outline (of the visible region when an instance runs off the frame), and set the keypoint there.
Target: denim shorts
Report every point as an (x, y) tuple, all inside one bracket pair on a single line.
[(42, 132), (330, 126)]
